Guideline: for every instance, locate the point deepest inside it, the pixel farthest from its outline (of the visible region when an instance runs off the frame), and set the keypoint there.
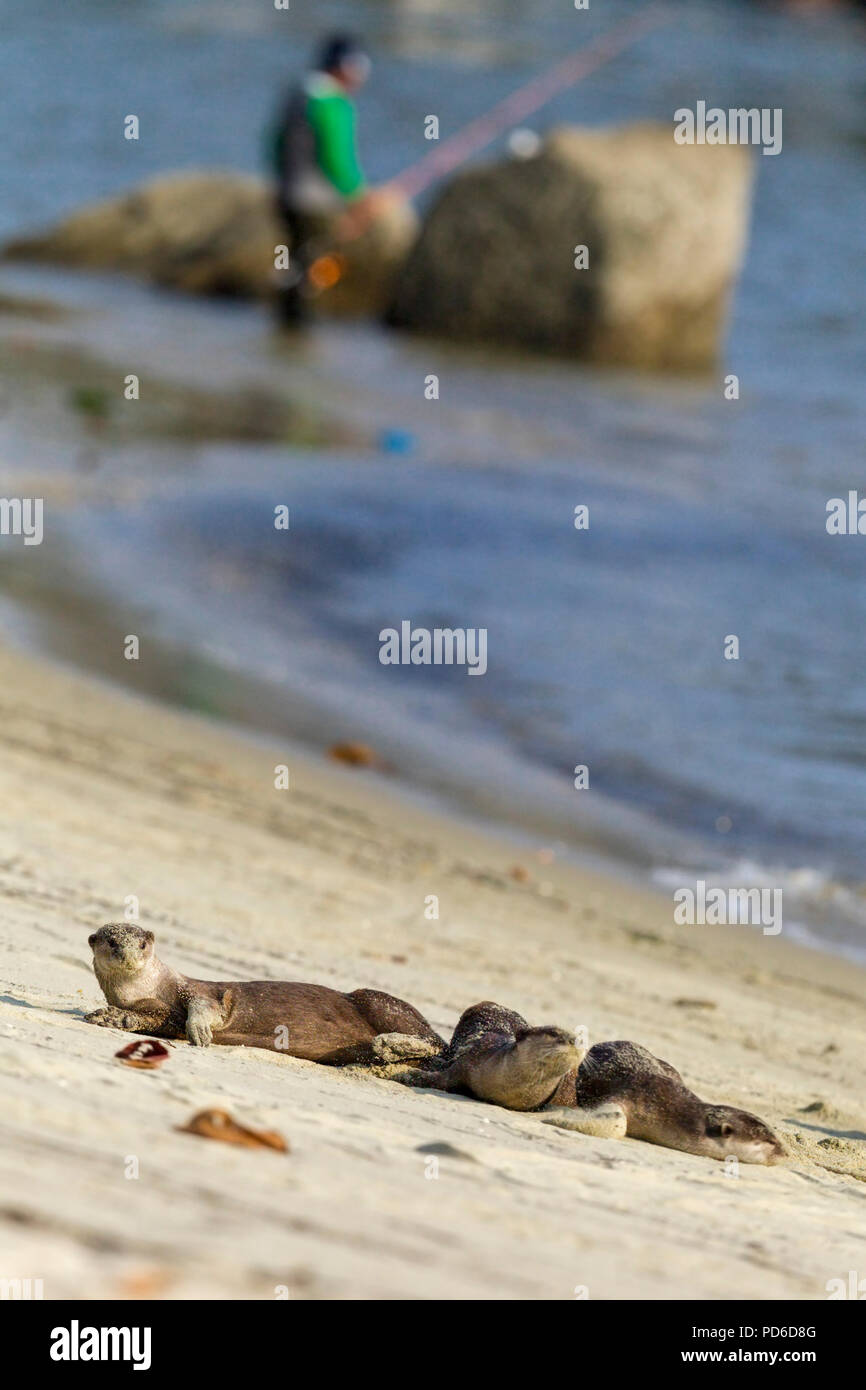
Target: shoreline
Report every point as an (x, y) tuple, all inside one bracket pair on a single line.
[(615, 839), (108, 795)]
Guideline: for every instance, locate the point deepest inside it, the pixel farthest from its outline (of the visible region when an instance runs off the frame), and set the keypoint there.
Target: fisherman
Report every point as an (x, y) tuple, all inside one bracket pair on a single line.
[(321, 189)]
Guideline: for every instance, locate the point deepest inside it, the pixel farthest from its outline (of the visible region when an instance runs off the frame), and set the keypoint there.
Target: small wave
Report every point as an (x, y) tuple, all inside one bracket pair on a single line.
[(827, 912)]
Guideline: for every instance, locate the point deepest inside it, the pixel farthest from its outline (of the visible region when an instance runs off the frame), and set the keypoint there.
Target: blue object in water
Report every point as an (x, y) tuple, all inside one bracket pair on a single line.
[(396, 441)]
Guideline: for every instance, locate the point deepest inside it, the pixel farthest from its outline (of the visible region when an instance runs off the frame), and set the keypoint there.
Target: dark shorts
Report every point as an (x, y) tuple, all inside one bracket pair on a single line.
[(307, 236)]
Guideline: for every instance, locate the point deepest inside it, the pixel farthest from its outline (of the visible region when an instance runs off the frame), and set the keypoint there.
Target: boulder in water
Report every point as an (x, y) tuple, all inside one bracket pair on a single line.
[(664, 226), (215, 233)]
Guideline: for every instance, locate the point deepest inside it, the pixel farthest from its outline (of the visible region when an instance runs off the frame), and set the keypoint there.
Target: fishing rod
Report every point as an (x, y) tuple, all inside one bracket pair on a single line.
[(328, 268), (526, 100)]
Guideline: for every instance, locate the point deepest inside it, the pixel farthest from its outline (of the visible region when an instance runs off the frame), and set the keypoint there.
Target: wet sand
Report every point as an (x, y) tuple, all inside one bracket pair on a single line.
[(106, 796)]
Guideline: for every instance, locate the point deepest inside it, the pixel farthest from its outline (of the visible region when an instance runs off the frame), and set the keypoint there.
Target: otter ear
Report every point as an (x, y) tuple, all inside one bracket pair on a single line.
[(726, 1129), (91, 940), (149, 936)]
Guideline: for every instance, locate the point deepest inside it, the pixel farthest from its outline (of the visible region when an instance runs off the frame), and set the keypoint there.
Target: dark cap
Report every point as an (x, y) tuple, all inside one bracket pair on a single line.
[(337, 50)]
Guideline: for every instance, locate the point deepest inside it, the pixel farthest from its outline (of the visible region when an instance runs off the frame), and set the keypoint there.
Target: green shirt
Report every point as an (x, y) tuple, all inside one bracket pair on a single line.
[(331, 115), (316, 136)]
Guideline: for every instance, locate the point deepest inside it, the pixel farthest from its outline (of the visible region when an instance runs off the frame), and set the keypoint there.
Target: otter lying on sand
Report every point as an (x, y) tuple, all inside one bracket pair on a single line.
[(621, 1089), (309, 1021), (493, 1054), (615, 1089)]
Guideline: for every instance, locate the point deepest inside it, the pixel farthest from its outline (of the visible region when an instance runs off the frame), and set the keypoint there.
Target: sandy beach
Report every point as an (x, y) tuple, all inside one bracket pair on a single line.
[(106, 796)]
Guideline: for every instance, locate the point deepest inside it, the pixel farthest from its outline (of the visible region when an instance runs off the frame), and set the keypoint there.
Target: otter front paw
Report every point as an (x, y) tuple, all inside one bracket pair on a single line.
[(402, 1047), (608, 1121), (199, 1031), (112, 1017)]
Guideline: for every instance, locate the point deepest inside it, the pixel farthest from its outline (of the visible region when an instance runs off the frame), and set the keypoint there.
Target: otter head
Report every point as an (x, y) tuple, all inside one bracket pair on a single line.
[(731, 1131), (120, 949), (549, 1048), (524, 1074)]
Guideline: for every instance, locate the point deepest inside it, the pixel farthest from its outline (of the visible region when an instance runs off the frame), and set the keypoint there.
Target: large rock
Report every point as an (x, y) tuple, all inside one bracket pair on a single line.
[(215, 233), (665, 225)]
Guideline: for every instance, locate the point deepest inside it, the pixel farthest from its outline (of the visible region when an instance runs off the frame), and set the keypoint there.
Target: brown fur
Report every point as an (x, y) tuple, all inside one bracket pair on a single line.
[(496, 1056), (616, 1089), (656, 1105), (302, 1020)]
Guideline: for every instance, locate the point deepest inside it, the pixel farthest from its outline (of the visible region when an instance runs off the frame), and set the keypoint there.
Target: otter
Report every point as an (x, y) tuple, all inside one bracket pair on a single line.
[(621, 1089), (614, 1090), (493, 1055), (301, 1020)]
